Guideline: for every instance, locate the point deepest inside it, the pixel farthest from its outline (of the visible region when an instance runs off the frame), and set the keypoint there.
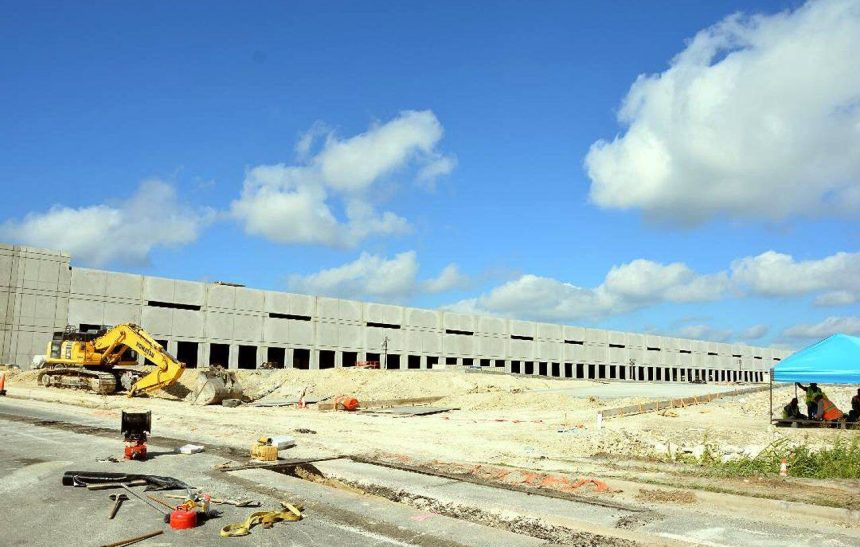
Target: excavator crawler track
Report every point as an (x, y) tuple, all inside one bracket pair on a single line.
[(100, 382)]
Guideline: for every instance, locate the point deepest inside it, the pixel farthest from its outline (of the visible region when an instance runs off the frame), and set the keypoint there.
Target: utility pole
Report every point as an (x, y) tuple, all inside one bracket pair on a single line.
[(385, 353)]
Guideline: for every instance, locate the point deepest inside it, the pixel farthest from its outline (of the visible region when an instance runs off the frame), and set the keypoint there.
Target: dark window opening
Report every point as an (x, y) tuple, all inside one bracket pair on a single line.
[(601, 371), (186, 352), (500, 363), (383, 325), (617, 346), (591, 372), (467, 362), (175, 306), (568, 370), (653, 349), (302, 358), (326, 358), (777, 359), (374, 358), (712, 353), (460, 332), (349, 358), (432, 362), (393, 361), (515, 367), (290, 316), (736, 356), (542, 369), (248, 357), (622, 373), (641, 374), (580, 370), (219, 354), (485, 362), (757, 357), (574, 342), (85, 327), (450, 360), (276, 357), (530, 367), (413, 361), (684, 351), (518, 337), (554, 370)]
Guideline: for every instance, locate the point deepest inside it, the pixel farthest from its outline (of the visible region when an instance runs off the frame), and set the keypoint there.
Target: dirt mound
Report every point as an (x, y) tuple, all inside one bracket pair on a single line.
[(380, 384)]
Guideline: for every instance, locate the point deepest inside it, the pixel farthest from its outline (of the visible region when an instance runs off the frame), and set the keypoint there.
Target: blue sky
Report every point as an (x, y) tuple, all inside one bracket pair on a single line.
[(128, 133)]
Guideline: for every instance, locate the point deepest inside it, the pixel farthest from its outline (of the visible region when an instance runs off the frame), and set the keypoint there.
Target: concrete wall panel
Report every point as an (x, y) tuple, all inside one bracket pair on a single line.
[(458, 321), (117, 314), (158, 321), (158, 289), (548, 331), (302, 304), (521, 328), (126, 286), (250, 299), (85, 311), (88, 282), (490, 347), (189, 324), (574, 334), (301, 333), (381, 313), (189, 292), (492, 325), (221, 296), (425, 319), (219, 325), (548, 351)]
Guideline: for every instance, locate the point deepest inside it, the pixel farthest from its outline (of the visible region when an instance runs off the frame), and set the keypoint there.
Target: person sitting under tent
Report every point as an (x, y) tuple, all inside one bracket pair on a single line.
[(854, 415), (791, 411), (811, 392), (827, 411)]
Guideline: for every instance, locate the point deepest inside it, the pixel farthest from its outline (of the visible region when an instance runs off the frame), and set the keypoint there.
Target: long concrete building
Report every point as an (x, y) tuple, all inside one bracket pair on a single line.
[(239, 327)]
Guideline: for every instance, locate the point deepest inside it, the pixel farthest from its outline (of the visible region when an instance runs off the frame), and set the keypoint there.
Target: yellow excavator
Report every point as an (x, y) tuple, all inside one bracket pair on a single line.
[(100, 361)]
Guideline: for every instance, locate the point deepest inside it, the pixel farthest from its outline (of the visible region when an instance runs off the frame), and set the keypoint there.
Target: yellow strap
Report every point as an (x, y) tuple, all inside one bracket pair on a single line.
[(266, 518)]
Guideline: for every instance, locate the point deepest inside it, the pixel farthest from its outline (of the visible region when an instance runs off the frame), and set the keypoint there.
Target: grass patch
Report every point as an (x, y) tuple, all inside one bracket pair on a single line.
[(839, 461)]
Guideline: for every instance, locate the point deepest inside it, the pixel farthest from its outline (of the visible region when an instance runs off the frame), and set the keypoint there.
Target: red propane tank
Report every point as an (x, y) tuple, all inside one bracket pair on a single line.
[(182, 519)]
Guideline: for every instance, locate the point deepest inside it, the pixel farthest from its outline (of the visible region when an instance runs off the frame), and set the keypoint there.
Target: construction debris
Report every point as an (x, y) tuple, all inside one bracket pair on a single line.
[(215, 385), (152, 482), (135, 539), (289, 512)]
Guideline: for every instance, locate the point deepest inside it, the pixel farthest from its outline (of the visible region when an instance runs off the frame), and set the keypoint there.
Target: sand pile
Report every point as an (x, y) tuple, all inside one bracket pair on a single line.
[(378, 384)]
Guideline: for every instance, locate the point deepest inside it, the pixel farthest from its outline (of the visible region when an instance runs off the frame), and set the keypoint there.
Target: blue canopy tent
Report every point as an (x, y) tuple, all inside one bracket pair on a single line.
[(834, 360)]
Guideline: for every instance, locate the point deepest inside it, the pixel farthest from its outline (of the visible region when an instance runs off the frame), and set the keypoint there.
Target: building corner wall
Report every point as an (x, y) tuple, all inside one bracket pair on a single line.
[(34, 300)]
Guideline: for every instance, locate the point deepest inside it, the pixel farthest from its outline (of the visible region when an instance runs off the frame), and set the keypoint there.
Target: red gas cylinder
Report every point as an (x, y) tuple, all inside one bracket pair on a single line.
[(182, 519)]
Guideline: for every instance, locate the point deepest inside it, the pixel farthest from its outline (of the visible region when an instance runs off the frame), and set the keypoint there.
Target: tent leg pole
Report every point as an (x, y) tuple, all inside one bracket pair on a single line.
[(771, 395)]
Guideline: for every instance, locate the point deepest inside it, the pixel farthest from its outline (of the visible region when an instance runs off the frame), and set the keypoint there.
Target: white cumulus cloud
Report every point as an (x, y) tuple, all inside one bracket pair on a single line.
[(125, 232), (823, 329), (836, 278), (627, 287), (759, 117), (328, 198), (378, 278)]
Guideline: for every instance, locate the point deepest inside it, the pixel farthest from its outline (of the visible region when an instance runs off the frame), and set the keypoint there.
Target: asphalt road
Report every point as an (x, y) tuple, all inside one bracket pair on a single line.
[(35, 509)]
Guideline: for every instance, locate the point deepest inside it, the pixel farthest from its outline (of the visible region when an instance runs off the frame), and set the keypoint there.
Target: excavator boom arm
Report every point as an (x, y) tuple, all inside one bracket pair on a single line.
[(115, 342)]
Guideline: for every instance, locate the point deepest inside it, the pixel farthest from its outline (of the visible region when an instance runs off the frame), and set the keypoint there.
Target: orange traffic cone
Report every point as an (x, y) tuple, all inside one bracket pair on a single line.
[(783, 468), (2, 383)]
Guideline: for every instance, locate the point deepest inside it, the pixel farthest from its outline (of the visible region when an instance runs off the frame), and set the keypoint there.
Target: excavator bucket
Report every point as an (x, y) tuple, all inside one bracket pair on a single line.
[(214, 385)]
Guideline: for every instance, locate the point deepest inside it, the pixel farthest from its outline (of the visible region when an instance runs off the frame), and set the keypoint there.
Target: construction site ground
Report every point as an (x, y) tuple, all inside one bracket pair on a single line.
[(502, 465)]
